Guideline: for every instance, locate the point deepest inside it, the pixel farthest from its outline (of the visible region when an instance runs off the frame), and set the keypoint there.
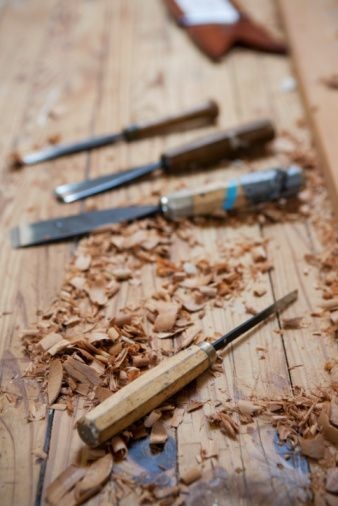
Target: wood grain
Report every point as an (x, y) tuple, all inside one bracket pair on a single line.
[(81, 68), (312, 32)]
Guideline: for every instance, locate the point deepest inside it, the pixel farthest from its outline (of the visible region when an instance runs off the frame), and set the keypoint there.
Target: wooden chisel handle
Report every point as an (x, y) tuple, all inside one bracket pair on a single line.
[(144, 394), (245, 191), (203, 114), (220, 145)]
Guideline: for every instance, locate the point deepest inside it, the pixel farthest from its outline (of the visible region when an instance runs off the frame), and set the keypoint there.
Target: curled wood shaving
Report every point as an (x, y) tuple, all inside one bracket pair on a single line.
[(158, 435), (153, 417), (55, 377), (177, 417), (54, 343), (119, 447)]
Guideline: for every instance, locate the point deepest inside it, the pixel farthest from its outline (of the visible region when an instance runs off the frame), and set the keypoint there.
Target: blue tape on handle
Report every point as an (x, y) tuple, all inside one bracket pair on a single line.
[(231, 195)]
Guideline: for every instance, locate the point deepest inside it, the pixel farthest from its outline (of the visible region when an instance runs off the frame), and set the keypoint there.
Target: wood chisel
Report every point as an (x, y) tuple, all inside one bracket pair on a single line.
[(202, 115), (248, 190), (197, 154), (155, 386)]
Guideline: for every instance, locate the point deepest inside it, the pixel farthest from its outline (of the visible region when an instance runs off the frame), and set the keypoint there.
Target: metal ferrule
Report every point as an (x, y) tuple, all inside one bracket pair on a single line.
[(178, 205), (209, 350)]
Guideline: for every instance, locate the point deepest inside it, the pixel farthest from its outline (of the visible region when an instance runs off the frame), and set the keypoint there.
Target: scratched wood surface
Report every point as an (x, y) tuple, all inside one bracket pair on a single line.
[(80, 68)]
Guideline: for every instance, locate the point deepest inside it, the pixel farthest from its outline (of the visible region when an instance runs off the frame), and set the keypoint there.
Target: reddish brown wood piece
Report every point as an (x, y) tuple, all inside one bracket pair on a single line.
[(217, 39)]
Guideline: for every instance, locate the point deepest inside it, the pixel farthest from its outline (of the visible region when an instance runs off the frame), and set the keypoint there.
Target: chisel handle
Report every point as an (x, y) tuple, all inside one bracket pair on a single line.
[(198, 116), (220, 145), (250, 189), (144, 394)]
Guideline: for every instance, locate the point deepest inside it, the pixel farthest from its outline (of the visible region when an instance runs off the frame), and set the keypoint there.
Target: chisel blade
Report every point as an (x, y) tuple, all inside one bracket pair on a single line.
[(76, 191), (79, 224), (69, 149)]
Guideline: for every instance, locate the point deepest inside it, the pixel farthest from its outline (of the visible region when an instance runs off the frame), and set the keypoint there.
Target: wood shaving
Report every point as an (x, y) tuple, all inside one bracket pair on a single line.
[(331, 81), (158, 435), (191, 475), (119, 447), (94, 479), (153, 417), (55, 377), (313, 448), (166, 318), (63, 484), (177, 417), (82, 262), (332, 480), (292, 323), (193, 406), (259, 290)]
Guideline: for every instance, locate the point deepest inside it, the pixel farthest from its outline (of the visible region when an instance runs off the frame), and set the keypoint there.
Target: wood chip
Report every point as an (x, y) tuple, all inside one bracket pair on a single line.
[(329, 431), (81, 372), (177, 417), (55, 377), (54, 343), (63, 484), (258, 254), (193, 405), (292, 323), (334, 317), (259, 290), (190, 475), (153, 417), (313, 448), (330, 304), (158, 435), (95, 477), (332, 480), (166, 318), (247, 407), (97, 295), (82, 262)]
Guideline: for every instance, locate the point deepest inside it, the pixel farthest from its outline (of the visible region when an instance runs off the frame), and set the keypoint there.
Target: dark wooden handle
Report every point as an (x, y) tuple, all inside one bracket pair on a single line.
[(204, 114), (215, 147)]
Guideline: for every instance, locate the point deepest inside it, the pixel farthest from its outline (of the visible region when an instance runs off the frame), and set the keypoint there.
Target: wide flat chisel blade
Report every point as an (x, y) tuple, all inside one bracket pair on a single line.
[(58, 229), (54, 152)]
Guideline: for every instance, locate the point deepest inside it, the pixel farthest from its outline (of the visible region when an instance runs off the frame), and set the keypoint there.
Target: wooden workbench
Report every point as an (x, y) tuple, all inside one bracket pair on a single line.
[(78, 68)]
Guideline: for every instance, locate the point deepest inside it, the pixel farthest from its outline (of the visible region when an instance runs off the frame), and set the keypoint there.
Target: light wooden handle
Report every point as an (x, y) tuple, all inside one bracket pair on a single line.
[(144, 394), (203, 114), (250, 189), (216, 147)]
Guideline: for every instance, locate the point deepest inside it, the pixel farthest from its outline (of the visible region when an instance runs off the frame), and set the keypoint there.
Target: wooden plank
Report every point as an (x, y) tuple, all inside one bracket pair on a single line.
[(125, 62), (311, 27)]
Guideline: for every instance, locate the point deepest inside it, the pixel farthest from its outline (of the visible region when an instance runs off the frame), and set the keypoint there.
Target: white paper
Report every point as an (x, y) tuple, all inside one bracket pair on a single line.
[(200, 12)]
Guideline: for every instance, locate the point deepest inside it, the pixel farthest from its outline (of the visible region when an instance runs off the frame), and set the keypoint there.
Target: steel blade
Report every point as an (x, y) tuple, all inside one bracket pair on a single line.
[(69, 149), (279, 305), (77, 191), (58, 229)]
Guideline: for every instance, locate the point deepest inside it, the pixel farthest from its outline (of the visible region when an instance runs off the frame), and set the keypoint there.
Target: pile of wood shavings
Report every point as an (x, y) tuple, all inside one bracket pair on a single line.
[(84, 345), (88, 347)]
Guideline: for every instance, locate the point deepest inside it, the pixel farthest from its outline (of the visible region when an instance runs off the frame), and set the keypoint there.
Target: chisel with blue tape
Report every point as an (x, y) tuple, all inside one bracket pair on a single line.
[(245, 191)]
